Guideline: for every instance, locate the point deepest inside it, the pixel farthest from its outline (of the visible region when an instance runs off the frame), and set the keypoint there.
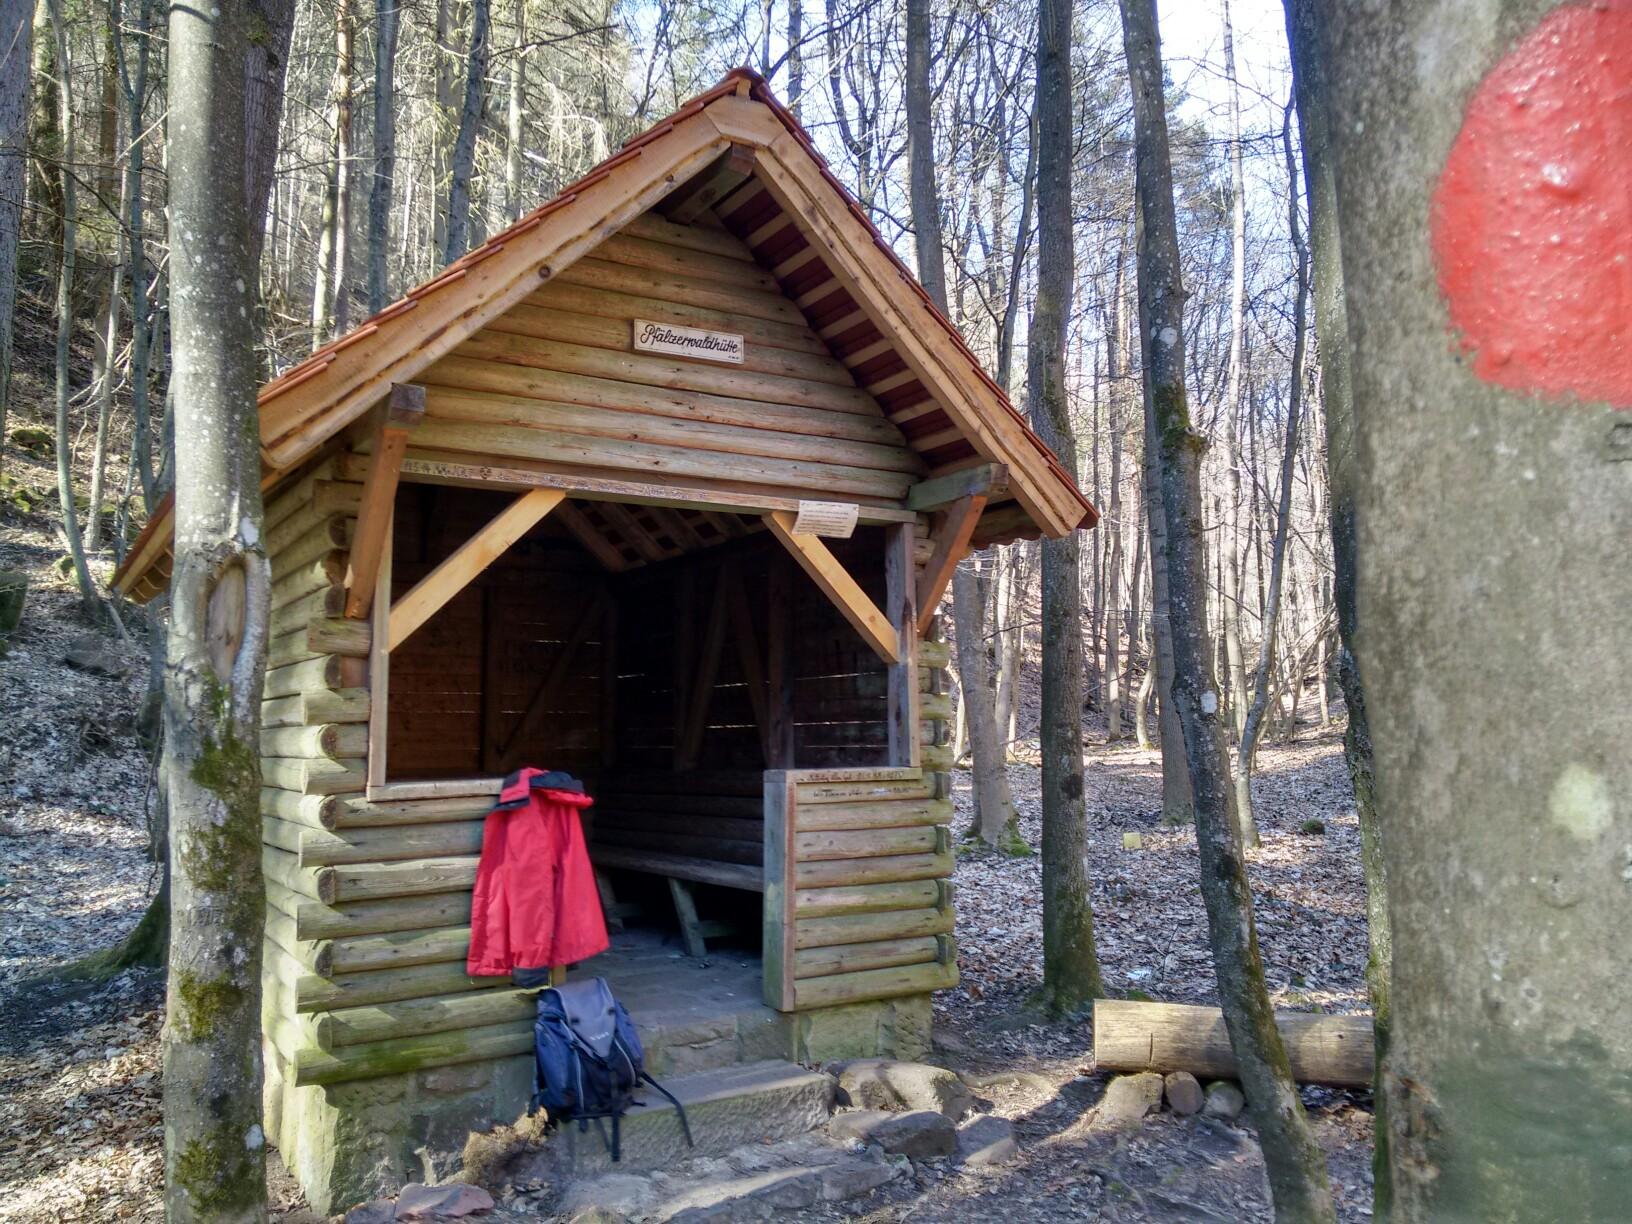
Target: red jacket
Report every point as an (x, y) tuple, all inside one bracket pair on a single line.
[(535, 904)]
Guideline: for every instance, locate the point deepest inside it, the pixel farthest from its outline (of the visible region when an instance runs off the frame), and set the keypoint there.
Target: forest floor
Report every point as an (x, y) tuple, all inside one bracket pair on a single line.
[(80, 1125)]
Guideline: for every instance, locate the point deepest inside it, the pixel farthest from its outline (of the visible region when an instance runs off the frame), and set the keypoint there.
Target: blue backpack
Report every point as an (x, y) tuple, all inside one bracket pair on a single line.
[(588, 1059)]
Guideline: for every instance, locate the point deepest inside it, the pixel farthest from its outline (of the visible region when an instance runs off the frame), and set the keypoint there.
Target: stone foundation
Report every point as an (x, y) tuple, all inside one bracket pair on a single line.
[(347, 1143)]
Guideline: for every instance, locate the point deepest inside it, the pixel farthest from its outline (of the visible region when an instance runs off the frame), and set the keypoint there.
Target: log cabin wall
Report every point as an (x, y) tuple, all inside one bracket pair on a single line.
[(554, 380)]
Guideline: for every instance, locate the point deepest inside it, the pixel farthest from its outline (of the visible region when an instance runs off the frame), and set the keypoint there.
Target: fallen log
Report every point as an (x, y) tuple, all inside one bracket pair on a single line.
[(1322, 1049)]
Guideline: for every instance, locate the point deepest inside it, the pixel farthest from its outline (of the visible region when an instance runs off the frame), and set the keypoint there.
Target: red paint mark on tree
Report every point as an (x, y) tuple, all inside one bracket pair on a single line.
[(1532, 218)]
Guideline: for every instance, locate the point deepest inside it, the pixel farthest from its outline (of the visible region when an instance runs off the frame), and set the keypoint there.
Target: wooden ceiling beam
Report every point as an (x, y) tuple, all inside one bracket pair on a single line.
[(597, 545), (829, 574), (432, 592)]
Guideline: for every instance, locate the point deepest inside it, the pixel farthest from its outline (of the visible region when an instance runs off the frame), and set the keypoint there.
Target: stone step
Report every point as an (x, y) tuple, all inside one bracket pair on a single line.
[(727, 1107), (679, 1044)]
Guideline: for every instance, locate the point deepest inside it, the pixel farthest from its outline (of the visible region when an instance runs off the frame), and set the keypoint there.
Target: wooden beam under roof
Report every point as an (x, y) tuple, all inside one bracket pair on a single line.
[(952, 537), (597, 545), (403, 409), (433, 591), (696, 196), (828, 573)]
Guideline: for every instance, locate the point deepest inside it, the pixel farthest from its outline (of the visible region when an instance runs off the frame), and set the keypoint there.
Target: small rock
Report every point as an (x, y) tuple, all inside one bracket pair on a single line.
[(1224, 1100), (380, 1211), (1129, 1099), (598, 1215), (449, 1202), (987, 1140), (1183, 1093), (853, 1178), (883, 1083), (90, 654), (621, 1194), (923, 1134)]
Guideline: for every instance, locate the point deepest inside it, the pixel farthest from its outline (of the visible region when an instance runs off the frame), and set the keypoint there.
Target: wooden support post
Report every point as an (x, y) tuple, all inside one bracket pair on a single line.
[(403, 409), (777, 944), (471, 558), (957, 525), (901, 602), (685, 909), (827, 573), (379, 666), (709, 186)]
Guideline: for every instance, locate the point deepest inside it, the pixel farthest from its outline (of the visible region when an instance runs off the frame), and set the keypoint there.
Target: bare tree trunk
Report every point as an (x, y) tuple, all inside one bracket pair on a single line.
[(1116, 334), (463, 163), (65, 310), (266, 56), (1312, 84), (1176, 804), (103, 377), (1246, 752), (515, 114), (45, 141), (16, 83), (994, 807), (214, 1147), (796, 55), (329, 282), (387, 19), (1296, 1164), (1070, 965), (1230, 542)]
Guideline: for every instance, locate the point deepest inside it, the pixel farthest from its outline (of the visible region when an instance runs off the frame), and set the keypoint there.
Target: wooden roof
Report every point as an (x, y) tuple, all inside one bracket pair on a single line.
[(734, 150)]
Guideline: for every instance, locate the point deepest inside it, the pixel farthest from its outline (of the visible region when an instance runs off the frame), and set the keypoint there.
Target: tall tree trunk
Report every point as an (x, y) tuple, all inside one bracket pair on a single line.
[(1176, 805), (463, 162), (1116, 371), (1311, 79), (1296, 1165), (1070, 965), (515, 115), (65, 309), (16, 82), (133, 83), (214, 1147), (45, 140), (387, 18), (1484, 456), (1246, 752), (1231, 541), (994, 807), (796, 55), (266, 57), (329, 283)]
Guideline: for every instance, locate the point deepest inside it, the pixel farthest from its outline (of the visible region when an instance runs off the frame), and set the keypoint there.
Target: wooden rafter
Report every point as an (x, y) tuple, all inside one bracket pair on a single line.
[(692, 199), (403, 409), (597, 545), (952, 535), (829, 574), (627, 526), (433, 591)]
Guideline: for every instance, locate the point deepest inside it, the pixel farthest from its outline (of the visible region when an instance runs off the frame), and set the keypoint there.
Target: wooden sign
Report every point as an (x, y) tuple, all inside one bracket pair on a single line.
[(673, 341), (836, 520)]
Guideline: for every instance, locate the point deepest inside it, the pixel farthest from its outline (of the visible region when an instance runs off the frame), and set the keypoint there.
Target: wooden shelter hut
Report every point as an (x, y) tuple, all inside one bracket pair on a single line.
[(660, 486)]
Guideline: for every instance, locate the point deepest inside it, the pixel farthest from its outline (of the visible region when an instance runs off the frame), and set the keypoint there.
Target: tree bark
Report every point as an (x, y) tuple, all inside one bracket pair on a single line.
[(994, 807), (515, 115), (463, 162), (329, 284), (16, 83), (266, 57), (1246, 752), (1070, 965), (65, 311), (1311, 79), (1471, 478), (387, 19), (214, 1147), (1296, 1165)]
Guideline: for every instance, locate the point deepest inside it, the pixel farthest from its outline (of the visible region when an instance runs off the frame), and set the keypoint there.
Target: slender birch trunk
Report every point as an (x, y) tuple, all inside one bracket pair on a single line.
[(1296, 1164)]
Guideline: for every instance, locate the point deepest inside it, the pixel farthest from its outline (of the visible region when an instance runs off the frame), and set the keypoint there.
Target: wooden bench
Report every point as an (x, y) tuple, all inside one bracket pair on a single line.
[(700, 828)]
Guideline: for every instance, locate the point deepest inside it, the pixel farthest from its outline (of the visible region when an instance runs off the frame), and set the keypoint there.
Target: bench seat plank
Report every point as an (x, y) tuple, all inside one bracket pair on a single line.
[(747, 877)]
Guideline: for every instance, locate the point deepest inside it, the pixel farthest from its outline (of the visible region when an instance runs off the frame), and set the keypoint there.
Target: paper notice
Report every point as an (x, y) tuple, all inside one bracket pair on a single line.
[(836, 520)]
